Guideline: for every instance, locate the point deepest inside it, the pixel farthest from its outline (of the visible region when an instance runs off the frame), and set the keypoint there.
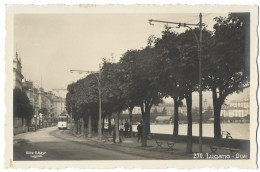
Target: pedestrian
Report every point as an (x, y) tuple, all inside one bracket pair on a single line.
[(126, 128), (140, 131), (121, 131)]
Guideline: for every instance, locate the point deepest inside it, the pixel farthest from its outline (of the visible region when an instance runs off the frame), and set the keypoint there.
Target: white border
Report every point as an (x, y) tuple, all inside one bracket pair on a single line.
[(2, 3)]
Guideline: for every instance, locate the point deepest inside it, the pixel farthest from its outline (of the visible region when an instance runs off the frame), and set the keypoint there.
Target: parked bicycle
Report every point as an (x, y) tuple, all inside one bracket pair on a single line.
[(227, 134)]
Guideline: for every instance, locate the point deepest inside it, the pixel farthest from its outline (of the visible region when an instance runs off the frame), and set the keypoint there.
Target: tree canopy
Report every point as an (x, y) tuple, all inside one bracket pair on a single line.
[(168, 67), (227, 70), (21, 105)]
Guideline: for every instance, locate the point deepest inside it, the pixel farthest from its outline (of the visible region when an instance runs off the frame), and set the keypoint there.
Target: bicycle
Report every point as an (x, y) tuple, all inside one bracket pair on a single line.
[(227, 134)]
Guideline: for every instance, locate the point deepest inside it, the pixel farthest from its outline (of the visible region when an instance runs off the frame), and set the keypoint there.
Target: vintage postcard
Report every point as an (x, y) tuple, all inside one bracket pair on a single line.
[(131, 86)]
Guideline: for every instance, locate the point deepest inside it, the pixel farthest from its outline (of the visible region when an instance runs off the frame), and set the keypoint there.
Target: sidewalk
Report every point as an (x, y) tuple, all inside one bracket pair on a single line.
[(130, 145)]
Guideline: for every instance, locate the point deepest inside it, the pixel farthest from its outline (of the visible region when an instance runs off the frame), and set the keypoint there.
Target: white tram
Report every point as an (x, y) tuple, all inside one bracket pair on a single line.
[(62, 122)]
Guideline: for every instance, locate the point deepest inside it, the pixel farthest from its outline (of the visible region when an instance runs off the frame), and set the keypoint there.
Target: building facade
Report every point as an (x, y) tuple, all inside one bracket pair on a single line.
[(43, 102), (58, 105), (167, 107), (237, 108), (19, 124)]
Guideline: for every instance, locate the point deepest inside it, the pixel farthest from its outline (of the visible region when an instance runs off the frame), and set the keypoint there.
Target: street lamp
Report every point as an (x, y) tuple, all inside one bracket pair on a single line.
[(99, 95)]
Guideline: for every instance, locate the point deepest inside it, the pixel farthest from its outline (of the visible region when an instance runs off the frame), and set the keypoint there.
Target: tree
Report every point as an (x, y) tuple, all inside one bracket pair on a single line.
[(179, 76), (113, 90), (228, 69), (187, 75), (132, 98), (188, 47), (82, 98), (143, 83), (168, 63), (21, 106)]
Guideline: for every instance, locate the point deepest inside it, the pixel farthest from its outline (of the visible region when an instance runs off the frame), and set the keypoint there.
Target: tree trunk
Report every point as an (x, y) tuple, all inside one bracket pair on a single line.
[(109, 124), (23, 125), (188, 98), (89, 126), (176, 117), (144, 135), (77, 126), (217, 109), (146, 117), (131, 118), (117, 128), (148, 130), (103, 124), (82, 126), (95, 125)]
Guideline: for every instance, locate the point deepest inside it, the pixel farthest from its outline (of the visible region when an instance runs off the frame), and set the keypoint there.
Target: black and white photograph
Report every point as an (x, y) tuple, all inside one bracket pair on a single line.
[(121, 83)]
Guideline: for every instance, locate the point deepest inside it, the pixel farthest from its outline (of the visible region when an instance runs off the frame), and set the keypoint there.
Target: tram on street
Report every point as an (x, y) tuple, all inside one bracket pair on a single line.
[(62, 122)]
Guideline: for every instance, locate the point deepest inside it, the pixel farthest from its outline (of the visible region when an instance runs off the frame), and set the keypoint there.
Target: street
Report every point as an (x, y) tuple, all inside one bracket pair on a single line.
[(53, 144)]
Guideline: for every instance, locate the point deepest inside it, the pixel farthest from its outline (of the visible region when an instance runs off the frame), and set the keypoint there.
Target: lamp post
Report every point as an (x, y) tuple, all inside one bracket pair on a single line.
[(99, 95), (199, 41)]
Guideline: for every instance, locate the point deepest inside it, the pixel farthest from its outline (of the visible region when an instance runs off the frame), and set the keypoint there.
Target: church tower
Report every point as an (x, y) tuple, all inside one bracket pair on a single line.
[(17, 72)]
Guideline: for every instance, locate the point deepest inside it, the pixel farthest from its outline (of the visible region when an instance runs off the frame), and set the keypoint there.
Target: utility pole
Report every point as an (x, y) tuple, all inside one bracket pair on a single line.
[(199, 42), (98, 77)]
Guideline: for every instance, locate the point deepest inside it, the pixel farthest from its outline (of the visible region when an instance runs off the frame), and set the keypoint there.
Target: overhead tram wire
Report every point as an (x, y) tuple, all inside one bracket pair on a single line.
[(192, 18), (160, 34), (179, 17)]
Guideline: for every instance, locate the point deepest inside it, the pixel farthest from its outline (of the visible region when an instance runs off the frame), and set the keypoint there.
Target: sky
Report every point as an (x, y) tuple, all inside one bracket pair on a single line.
[(50, 45)]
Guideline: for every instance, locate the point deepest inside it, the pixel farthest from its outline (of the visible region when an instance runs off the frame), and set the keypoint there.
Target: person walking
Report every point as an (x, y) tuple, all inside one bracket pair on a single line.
[(140, 131)]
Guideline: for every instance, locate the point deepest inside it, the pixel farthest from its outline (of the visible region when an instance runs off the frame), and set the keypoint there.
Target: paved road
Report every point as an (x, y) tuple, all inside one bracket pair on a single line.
[(54, 144)]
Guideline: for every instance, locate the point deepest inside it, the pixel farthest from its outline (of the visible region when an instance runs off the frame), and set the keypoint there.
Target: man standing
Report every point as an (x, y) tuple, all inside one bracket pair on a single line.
[(140, 131)]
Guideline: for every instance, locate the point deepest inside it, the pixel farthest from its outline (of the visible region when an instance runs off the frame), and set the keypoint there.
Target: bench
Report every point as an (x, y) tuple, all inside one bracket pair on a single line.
[(159, 143), (31, 128), (169, 144), (108, 138), (215, 148)]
